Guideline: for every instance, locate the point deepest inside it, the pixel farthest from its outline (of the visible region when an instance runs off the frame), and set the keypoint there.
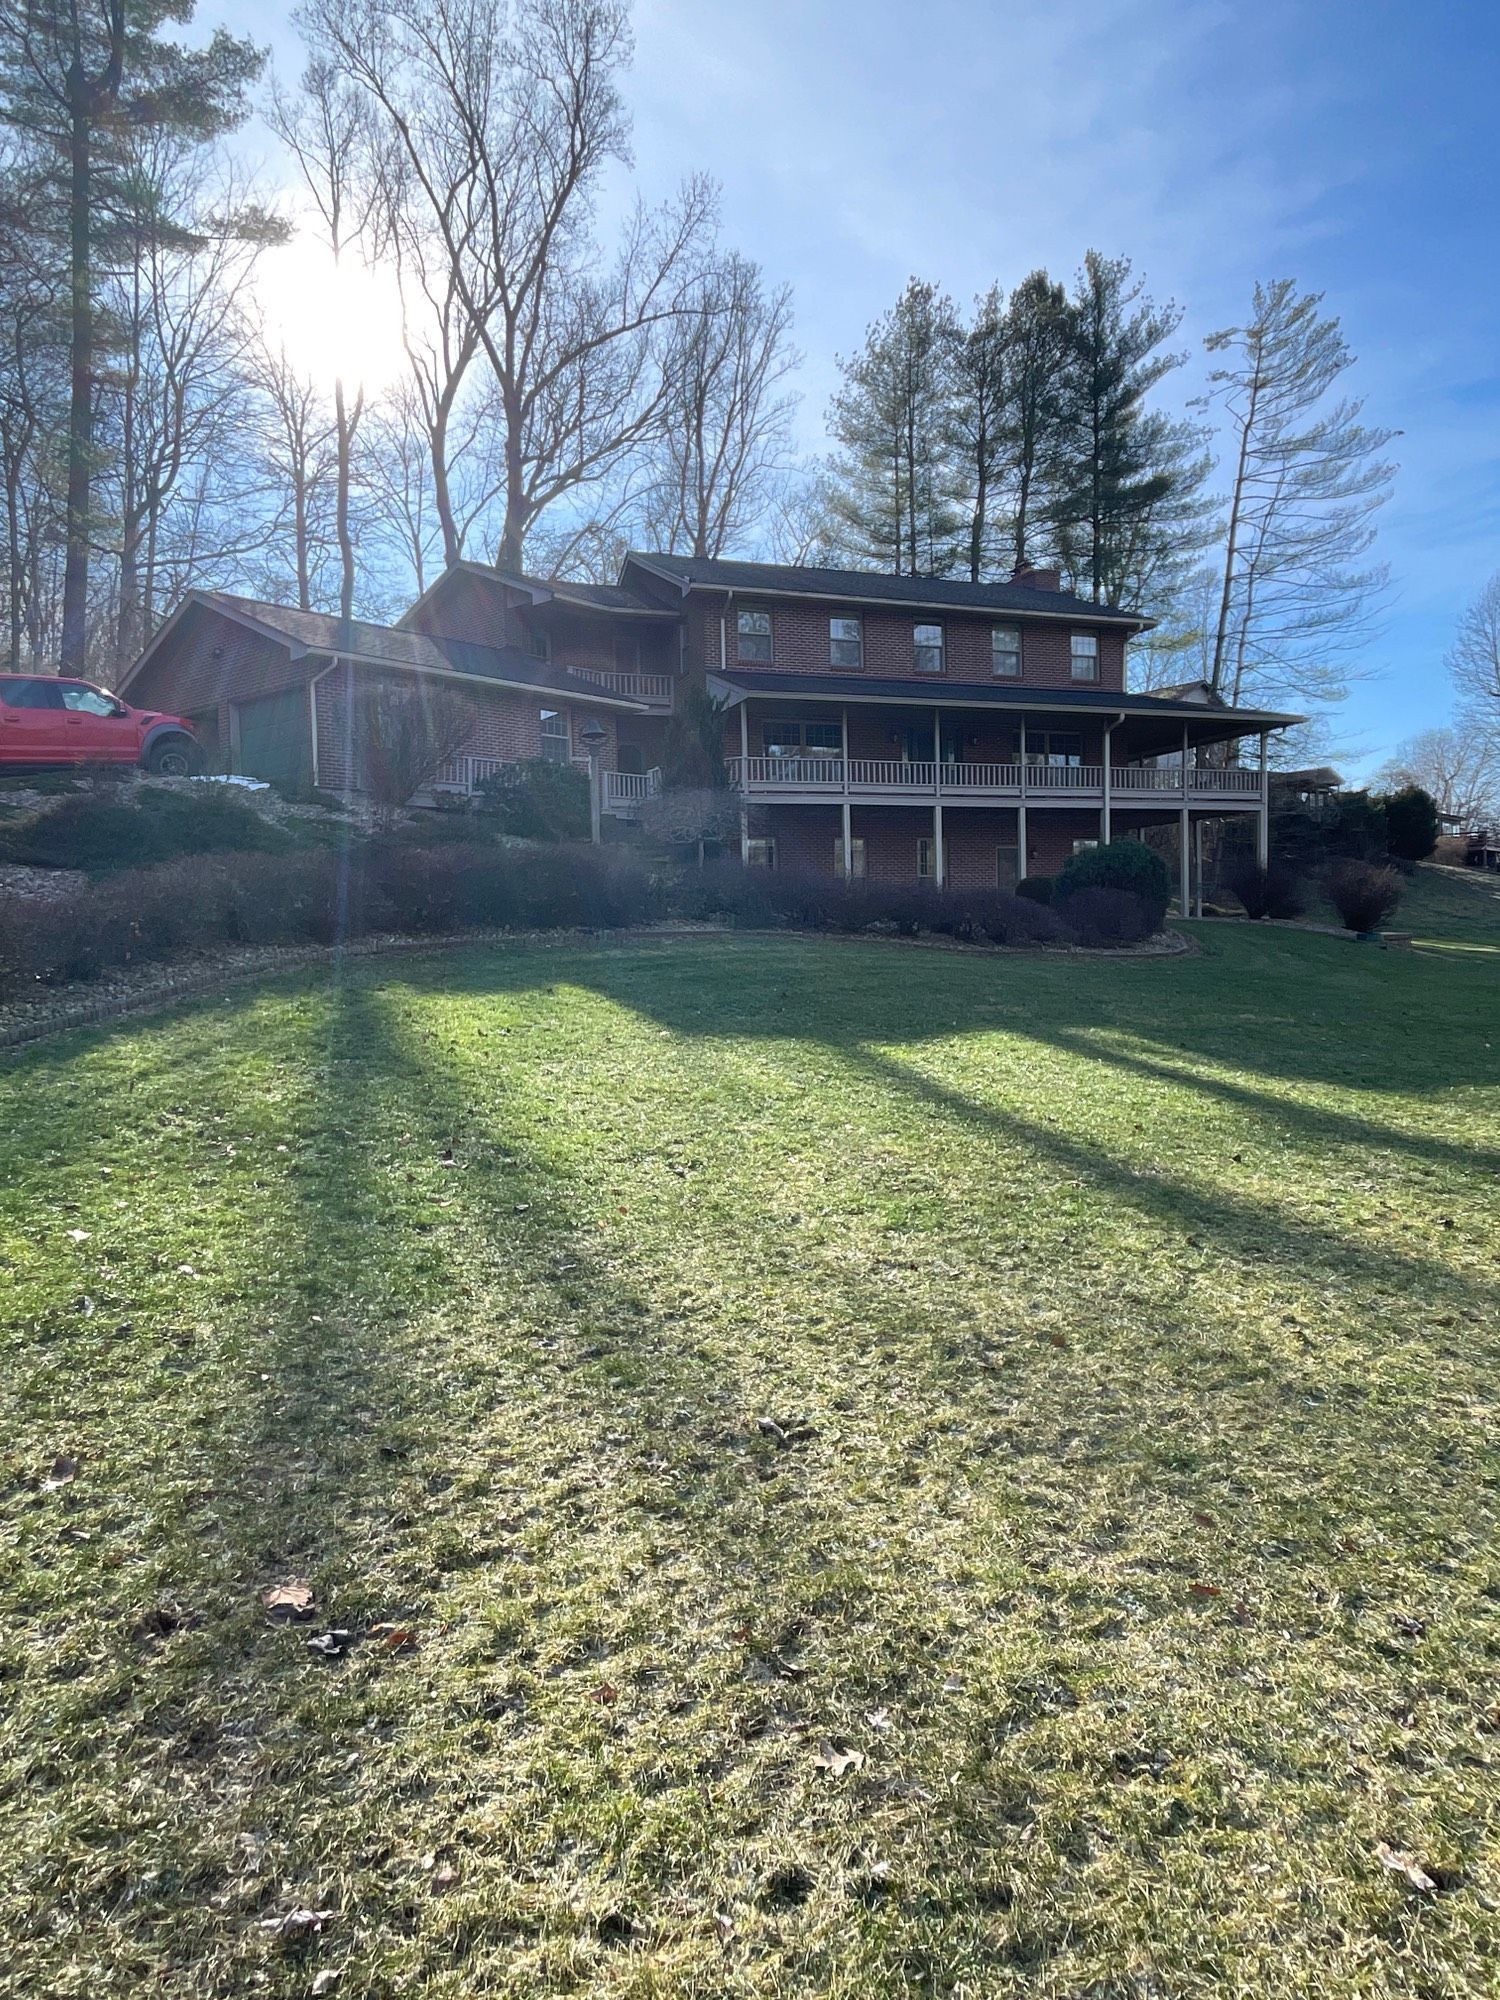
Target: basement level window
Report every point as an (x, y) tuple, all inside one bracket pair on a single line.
[(1085, 652)]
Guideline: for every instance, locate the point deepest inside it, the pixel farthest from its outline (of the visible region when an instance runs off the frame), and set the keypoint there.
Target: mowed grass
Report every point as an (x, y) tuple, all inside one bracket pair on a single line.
[(1130, 1329)]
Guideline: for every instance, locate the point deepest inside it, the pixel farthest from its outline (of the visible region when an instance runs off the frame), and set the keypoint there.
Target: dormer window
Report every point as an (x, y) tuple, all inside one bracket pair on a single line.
[(1005, 651), (753, 636), (845, 646), (1085, 653)]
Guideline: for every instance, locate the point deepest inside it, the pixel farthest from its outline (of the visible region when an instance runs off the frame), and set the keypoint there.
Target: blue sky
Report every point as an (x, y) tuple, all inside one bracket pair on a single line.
[(1351, 145)]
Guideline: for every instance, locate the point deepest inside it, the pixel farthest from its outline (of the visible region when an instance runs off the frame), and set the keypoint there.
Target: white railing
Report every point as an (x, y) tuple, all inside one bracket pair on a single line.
[(623, 791), (628, 788), (639, 687), (890, 774)]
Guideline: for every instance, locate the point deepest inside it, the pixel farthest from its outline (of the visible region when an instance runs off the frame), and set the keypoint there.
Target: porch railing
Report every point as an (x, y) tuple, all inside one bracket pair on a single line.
[(623, 791), (834, 775), (655, 688)]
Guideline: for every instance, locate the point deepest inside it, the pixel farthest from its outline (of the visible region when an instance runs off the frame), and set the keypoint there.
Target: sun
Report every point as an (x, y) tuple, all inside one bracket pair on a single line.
[(335, 321)]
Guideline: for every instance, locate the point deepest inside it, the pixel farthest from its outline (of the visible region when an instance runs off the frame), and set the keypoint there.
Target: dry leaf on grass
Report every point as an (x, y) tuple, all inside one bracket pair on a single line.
[(333, 1644), (300, 1922), (724, 1925), (1204, 1590), (325, 1982), (838, 1758), (288, 1603), (879, 1718), (64, 1469), (1406, 1865), (395, 1638)]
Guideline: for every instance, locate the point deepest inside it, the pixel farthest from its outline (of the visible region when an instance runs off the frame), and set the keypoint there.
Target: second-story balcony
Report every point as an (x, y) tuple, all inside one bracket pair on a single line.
[(891, 781), (655, 690)]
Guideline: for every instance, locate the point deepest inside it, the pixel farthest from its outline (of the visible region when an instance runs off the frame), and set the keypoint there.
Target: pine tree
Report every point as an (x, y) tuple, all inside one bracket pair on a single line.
[(981, 394), (896, 503), (1036, 350), (1117, 470), (76, 79)]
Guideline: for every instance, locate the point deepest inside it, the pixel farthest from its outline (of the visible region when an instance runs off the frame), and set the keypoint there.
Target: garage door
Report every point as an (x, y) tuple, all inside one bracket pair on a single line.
[(272, 738)]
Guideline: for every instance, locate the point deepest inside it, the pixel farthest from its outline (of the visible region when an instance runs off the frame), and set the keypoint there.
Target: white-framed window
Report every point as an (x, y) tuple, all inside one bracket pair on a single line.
[(627, 655), (1085, 652), (845, 645), (760, 854), (1005, 651), (1007, 866), (1083, 846), (927, 648), (557, 741), (926, 858), (753, 635), (789, 736), (857, 852), (1054, 746)]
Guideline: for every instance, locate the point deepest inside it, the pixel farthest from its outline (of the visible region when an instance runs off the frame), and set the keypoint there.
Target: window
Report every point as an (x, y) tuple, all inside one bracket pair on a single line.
[(754, 635), (760, 854), (844, 646), (627, 656), (1007, 867), (31, 694), (789, 737), (538, 643), (1085, 651), (1005, 651), (84, 700), (926, 859), (927, 648), (557, 745), (858, 850), (1083, 846), (1054, 746)]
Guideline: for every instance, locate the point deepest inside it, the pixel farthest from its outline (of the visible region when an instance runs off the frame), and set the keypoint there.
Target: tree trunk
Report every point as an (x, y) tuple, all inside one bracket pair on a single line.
[(442, 496), (75, 605)]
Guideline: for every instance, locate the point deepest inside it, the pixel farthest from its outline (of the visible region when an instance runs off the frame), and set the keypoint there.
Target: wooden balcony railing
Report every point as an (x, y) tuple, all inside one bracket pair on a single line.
[(832, 777), (653, 688)]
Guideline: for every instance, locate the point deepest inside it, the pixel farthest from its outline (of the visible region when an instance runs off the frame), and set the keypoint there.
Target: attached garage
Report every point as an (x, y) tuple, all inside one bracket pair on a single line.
[(271, 737)]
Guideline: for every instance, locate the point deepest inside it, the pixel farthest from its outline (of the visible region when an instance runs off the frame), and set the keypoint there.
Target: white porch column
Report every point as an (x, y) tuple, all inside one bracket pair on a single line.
[(1109, 758), (939, 869), (848, 841), (1198, 868), (1184, 866), (1022, 864), (744, 785), (1263, 823)]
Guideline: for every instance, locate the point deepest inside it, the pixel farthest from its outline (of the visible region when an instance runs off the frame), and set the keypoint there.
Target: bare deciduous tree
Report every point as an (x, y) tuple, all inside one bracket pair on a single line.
[(505, 122), (1474, 658), (1458, 767)]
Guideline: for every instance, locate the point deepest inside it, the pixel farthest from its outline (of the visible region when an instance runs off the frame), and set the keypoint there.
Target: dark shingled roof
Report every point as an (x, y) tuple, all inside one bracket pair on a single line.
[(872, 587), (934, 691), (388, 645)]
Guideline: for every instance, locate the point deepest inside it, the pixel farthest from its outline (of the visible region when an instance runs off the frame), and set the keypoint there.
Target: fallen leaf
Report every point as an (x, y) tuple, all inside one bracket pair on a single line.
[(768, 1427), (879, 1718), (444, 1877), (1204, 1520), (64, 1469), (837, 1758), (606, 1694), (78, 1236), (288, 1603), (1406, 1865), (724, 1925), (299, 1922), (1204, 1590), (1409, 1628), (953, 1684), (332, 1644), (395, 1638), (325, 1982)]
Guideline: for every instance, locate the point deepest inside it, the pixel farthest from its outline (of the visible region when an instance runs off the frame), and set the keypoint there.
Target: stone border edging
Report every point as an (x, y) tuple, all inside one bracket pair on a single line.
[(43, 1021)]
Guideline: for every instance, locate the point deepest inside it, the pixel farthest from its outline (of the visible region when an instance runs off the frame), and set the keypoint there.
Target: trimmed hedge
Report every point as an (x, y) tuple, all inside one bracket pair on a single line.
[(101, 835), (1128, 866)]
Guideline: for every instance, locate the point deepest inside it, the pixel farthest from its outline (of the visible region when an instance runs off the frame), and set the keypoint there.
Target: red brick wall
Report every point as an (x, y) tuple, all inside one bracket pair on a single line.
[(805, 838), (799, 641)]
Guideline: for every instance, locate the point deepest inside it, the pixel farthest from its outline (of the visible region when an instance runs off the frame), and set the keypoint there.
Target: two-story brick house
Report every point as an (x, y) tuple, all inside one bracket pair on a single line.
[(901, 727)]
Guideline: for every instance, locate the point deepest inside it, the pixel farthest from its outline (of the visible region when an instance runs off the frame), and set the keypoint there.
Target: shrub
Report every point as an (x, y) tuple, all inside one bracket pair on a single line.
[(100, 835), (1364, 896), (1036, 888), (1356, 827), (1127, 865), (1412, 825), (404, 733), (691, 817), (1266, 892), (1110, 917), (537, 799)]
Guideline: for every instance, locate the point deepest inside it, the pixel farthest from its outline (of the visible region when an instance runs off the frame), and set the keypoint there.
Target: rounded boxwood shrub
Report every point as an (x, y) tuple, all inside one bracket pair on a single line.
[(1127, 865), (1036, 888), (1109, 917), (1266, 892)]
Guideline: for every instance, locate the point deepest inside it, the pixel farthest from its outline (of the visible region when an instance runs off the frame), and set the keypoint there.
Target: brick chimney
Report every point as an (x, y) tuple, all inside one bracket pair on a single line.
[(1036, 579)]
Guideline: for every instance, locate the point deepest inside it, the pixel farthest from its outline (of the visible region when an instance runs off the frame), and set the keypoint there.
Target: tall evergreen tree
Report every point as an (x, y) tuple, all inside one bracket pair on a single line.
[(77, 77), (896, 502), (981, 393), (1036, 345), (1116, 468)]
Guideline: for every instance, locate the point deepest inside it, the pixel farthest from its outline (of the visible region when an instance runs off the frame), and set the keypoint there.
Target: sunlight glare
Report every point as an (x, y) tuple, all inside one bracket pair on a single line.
[(332, 320)]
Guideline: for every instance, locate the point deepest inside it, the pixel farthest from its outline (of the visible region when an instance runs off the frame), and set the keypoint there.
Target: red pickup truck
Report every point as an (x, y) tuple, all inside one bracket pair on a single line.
[(46, 721)]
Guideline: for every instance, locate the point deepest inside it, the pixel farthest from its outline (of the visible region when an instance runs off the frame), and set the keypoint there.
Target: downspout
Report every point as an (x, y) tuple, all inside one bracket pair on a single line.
[(312, 716)]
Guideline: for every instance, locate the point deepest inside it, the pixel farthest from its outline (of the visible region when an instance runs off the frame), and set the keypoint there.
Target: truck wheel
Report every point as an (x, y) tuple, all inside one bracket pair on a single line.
[(174, 757)]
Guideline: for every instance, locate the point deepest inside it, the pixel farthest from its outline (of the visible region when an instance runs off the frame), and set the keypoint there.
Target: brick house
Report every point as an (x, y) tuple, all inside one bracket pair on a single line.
[(899, 727)]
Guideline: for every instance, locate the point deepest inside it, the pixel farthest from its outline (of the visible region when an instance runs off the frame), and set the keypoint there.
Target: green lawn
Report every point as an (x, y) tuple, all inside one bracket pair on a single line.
[(1131, 1331)]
